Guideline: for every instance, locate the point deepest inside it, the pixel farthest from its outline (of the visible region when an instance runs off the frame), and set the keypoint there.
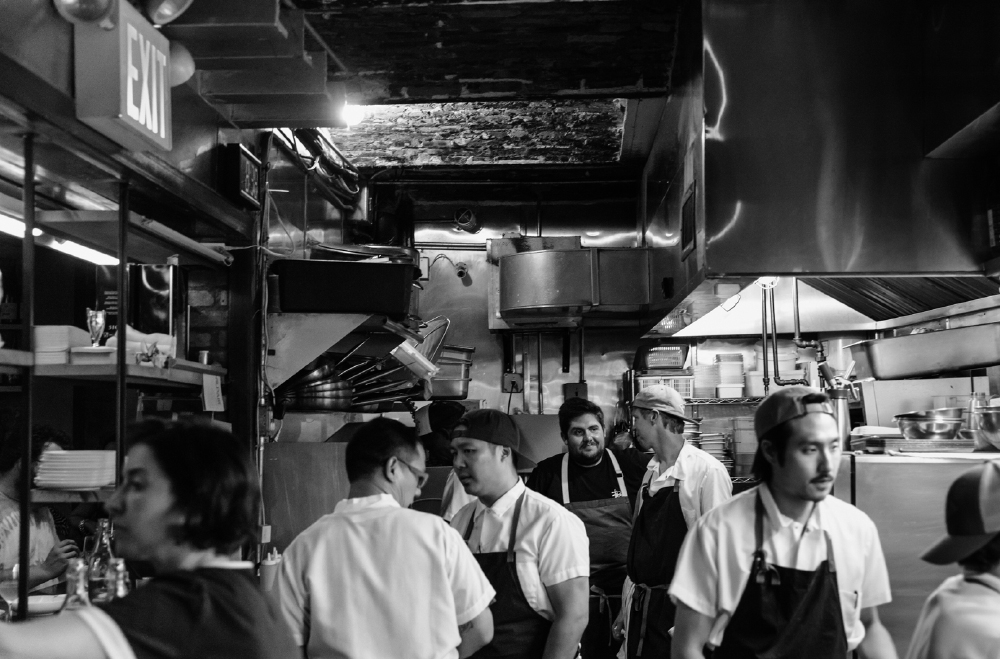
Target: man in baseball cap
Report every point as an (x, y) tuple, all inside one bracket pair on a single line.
[(785, 541), (960, 619), (534, 552), (681, 484)]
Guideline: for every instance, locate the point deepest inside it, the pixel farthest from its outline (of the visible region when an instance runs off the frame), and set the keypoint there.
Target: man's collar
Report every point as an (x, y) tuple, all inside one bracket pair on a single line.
[(504, 503), (773, 513), (678, 471), (360, 503)]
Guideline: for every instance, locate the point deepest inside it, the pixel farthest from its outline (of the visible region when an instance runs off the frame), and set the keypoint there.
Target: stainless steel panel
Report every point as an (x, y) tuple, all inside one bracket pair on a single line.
[(928, 353), (623, 278), (814, 155), (551, 279), (883, 399), (905, 498)]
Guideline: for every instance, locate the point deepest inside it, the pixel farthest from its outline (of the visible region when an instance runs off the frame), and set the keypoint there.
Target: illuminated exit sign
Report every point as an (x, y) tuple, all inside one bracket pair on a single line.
[(123, 80)]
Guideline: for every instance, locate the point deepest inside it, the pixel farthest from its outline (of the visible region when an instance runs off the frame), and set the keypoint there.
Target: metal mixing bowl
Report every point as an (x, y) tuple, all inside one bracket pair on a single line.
[(989, 424), (925, 425), (950, 412)]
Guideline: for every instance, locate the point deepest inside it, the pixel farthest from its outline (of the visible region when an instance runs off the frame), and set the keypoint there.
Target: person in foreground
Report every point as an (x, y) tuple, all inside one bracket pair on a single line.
[(375, 580), (188, 499), (681, 484), (784, 570), (961, 619), (534, 551), (598, 485)]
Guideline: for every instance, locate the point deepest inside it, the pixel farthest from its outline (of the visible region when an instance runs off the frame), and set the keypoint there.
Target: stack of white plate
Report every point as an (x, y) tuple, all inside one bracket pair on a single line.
[(706, 379), (53, 342), (717, 445), (76, 470)]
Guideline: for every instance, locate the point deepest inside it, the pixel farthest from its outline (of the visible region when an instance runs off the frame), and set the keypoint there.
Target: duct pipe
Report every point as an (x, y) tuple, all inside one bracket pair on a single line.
[(763, 337), (182, 241), (538, 355), (778, 380)]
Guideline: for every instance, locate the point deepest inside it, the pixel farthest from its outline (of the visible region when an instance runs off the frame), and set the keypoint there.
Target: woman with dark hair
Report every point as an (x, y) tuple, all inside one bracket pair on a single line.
[(189, 498)]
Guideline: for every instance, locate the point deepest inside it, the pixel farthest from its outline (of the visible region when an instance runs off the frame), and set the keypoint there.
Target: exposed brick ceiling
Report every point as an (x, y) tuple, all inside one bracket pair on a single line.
[(500, 133), (398, 51)]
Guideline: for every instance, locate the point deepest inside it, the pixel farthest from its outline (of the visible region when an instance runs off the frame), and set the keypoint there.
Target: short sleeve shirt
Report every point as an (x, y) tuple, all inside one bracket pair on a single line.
[(42, 536), (590, 483), (379, 581), (717, 554), (209, 612), (551, 543), (960, 620)]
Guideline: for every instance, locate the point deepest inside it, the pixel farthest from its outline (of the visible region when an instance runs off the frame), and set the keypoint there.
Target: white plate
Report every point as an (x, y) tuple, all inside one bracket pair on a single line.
[(43, 604)]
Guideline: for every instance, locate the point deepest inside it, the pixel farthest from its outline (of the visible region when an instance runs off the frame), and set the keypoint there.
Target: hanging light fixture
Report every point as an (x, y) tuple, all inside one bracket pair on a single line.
[(181, 64), (161, 12), (82, 12)]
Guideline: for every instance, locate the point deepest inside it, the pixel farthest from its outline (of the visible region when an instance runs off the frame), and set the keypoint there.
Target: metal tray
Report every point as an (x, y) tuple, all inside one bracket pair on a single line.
[(929, 353)]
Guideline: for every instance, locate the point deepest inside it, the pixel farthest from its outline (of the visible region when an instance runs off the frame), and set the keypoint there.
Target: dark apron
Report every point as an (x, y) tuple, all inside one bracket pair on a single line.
[(608, 523), (786, 613), (657, 535), (518, 630)]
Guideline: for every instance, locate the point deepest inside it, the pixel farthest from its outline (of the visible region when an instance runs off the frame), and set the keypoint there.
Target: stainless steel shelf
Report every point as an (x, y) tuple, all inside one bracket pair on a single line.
[(16, 357), (71, 496), (147, 375), (724, 401)]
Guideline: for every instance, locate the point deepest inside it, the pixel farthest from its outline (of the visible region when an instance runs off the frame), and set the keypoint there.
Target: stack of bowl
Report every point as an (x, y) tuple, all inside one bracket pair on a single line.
[(941, 423), (988, 433)]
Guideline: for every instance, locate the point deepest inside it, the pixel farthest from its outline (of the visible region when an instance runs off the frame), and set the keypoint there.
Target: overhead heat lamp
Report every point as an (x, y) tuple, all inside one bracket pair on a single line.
[(161, 12)]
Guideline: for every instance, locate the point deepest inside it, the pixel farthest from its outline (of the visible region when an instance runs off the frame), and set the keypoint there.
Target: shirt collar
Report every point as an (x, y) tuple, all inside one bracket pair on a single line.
[(504, 503), (990, 580), (771, 509), (677, 471), (364, 503)]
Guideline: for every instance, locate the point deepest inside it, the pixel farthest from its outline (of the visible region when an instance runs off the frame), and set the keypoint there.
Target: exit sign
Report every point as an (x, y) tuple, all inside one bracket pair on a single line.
[(123, 80)]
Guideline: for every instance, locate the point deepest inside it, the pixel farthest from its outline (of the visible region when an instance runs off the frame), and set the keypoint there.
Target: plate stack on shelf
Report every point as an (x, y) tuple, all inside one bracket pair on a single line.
[(692, 433), (717, 445), (52, 343), (75, 470)]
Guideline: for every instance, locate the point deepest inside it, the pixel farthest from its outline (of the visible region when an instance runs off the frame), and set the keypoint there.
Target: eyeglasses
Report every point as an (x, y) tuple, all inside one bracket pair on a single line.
[(422, 476)]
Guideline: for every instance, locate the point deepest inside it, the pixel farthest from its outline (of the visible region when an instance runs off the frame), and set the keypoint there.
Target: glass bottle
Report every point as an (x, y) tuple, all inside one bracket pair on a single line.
[(76, 586), (976, 403), (118, 582), (100, 564)]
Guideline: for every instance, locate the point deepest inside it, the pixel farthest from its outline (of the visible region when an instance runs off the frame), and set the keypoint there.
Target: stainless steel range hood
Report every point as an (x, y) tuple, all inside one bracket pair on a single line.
[(794, 145)]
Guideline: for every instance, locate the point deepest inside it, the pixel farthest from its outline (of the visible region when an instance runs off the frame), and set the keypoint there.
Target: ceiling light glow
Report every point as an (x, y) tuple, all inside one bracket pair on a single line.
[(353, 114)]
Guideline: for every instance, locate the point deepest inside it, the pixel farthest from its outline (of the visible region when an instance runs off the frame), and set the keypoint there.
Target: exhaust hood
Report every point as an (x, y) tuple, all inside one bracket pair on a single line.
[(787, 149)]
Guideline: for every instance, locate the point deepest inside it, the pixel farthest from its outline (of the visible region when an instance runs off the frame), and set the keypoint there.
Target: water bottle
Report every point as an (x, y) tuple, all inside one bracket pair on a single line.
[(76, 586), (99, 569), (118, 583)]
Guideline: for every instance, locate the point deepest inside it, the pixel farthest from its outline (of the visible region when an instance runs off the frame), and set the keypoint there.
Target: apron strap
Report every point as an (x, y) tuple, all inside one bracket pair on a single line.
[(468, 529), (565, 475), (643, 593), (760, 565), (646, 480), (831, 562), (618, 474), (513, 527)]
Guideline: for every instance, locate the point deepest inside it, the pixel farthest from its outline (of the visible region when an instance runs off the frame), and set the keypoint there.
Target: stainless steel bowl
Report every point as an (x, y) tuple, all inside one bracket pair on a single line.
[(950, 412), (989, 424), (920, 425)]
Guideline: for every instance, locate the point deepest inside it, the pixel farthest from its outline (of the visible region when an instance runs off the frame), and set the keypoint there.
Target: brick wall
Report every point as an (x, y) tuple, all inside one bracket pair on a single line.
[(208, 296)]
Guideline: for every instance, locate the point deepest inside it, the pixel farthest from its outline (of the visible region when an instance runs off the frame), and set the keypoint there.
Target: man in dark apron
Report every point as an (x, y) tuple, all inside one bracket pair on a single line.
[(682, 483), (533, 551), (598, 485), (784, 570)]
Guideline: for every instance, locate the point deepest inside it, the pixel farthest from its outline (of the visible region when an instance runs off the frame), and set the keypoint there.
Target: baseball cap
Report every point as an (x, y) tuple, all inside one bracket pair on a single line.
[(494, 427), (972, 515), (786, 404), (661, 398)]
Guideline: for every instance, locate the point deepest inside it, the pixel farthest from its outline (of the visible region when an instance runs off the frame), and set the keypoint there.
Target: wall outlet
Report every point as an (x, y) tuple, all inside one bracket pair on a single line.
[(512, 383), (575, 390)]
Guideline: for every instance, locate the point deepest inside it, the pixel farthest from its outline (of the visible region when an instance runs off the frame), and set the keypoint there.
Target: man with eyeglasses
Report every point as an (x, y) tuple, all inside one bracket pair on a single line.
[(534, 551), (376, 580)]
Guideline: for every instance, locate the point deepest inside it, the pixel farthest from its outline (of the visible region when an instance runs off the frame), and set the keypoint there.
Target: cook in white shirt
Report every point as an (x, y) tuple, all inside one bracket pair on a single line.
[(785, 541), (535, 553), (377, 580)]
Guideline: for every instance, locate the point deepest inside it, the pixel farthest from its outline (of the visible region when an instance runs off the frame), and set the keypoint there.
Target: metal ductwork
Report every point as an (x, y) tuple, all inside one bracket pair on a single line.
[(797, 143)]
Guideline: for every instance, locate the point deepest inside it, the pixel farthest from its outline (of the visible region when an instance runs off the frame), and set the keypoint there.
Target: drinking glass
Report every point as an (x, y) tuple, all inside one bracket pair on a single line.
[(89, 543), (8, 591)]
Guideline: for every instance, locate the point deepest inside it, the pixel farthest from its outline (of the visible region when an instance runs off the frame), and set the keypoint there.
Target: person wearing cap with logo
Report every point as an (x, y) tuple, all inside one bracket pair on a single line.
[(784, 570), (598, 485), (681, 484), (534, 552), (961, 619)]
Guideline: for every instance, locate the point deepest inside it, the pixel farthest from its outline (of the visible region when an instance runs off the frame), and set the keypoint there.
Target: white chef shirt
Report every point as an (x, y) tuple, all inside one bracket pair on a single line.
[(379, 581), (551, 543), (715, 560), (960, 620), (702, 481)]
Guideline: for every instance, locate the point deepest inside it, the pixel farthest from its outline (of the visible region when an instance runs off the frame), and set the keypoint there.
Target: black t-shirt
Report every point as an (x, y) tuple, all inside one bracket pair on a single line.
[(590, 483), (209, 612)]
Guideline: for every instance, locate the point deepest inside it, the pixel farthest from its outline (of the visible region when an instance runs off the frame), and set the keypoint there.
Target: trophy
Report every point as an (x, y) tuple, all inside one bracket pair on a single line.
[(95, 323)]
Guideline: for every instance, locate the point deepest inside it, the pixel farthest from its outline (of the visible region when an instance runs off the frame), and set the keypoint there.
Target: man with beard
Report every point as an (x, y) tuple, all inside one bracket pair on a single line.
[(534, 552), (682, 483), (784, 570), (599, 486)]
